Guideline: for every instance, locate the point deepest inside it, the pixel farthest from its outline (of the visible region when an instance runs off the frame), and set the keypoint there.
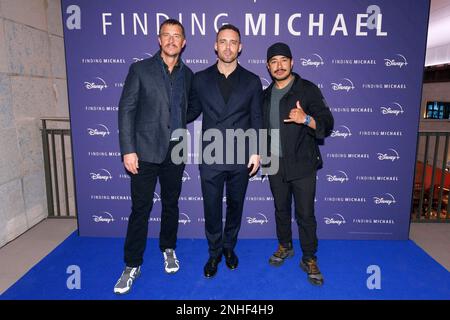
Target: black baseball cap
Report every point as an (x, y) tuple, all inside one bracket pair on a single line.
[(279, 49)]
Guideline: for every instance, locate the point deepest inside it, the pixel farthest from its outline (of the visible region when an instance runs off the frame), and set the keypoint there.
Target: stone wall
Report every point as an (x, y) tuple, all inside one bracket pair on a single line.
[(32, 85)]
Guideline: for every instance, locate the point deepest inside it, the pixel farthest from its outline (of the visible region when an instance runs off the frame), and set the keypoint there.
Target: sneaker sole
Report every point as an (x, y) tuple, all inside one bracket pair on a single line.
[(125, 292), (278, 264), (314, 283), (171, 271), (122, 293)]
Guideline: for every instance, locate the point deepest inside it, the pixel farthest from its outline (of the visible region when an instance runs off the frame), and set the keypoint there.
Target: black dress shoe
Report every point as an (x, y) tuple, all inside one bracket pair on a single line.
[(231, 258), (210, 268)]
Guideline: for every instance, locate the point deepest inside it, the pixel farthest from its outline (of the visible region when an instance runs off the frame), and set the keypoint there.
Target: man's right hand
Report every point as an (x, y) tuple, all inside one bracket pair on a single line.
[(131, 162)]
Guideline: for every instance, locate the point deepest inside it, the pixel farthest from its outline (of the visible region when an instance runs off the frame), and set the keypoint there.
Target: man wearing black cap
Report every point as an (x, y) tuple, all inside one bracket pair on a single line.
[(297, 117)]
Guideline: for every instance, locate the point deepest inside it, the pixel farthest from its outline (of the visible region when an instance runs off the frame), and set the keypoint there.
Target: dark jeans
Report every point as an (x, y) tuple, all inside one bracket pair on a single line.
[(213, 182), (304, 191), (142, 190)]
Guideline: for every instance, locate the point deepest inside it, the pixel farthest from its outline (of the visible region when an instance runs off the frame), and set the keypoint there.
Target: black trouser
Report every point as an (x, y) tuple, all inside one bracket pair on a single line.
[(213, 181), (142, 191), (304, 191)]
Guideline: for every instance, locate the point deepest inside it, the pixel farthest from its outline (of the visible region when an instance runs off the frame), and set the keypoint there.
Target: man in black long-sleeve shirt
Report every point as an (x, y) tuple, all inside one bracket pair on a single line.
[(230, 98)]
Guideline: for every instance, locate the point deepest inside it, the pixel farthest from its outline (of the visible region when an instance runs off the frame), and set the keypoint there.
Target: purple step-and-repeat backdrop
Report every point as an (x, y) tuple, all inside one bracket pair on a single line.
[(366, 56)]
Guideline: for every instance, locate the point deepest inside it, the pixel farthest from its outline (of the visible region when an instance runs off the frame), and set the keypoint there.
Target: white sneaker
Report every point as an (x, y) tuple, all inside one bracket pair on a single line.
[(171, 264), (126, 280)]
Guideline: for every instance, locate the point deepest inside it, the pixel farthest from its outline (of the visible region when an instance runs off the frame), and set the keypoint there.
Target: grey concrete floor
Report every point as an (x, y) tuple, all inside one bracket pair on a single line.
[(20, 255), (434, 238)]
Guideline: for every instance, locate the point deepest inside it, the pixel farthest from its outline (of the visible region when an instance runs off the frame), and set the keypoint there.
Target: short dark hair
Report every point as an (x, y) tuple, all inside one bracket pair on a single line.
[(229, 27), (173, 22)]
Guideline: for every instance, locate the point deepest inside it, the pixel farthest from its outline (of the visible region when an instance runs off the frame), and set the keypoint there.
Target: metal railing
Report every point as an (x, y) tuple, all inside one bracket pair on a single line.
[(430, 200), (430, 195), (59, 180)]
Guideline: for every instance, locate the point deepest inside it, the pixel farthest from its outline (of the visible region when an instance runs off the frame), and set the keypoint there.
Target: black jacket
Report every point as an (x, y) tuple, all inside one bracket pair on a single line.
[(299, 143), (144, 115), (243, 110)]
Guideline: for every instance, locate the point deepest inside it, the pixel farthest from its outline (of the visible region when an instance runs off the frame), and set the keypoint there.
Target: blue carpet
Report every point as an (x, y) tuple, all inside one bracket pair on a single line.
[(407, 272)]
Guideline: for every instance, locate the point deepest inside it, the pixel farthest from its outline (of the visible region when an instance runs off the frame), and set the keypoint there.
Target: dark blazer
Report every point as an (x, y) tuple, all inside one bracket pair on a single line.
[(299, 143), (144, 115), (243, 110)]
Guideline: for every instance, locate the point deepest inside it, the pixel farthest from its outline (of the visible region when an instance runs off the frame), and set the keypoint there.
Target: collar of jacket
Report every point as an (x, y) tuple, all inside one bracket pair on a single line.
[(294, 89), (158, 57)]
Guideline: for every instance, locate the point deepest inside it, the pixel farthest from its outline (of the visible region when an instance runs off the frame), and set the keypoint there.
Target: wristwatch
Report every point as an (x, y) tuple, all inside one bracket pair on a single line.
[(307, 120)]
